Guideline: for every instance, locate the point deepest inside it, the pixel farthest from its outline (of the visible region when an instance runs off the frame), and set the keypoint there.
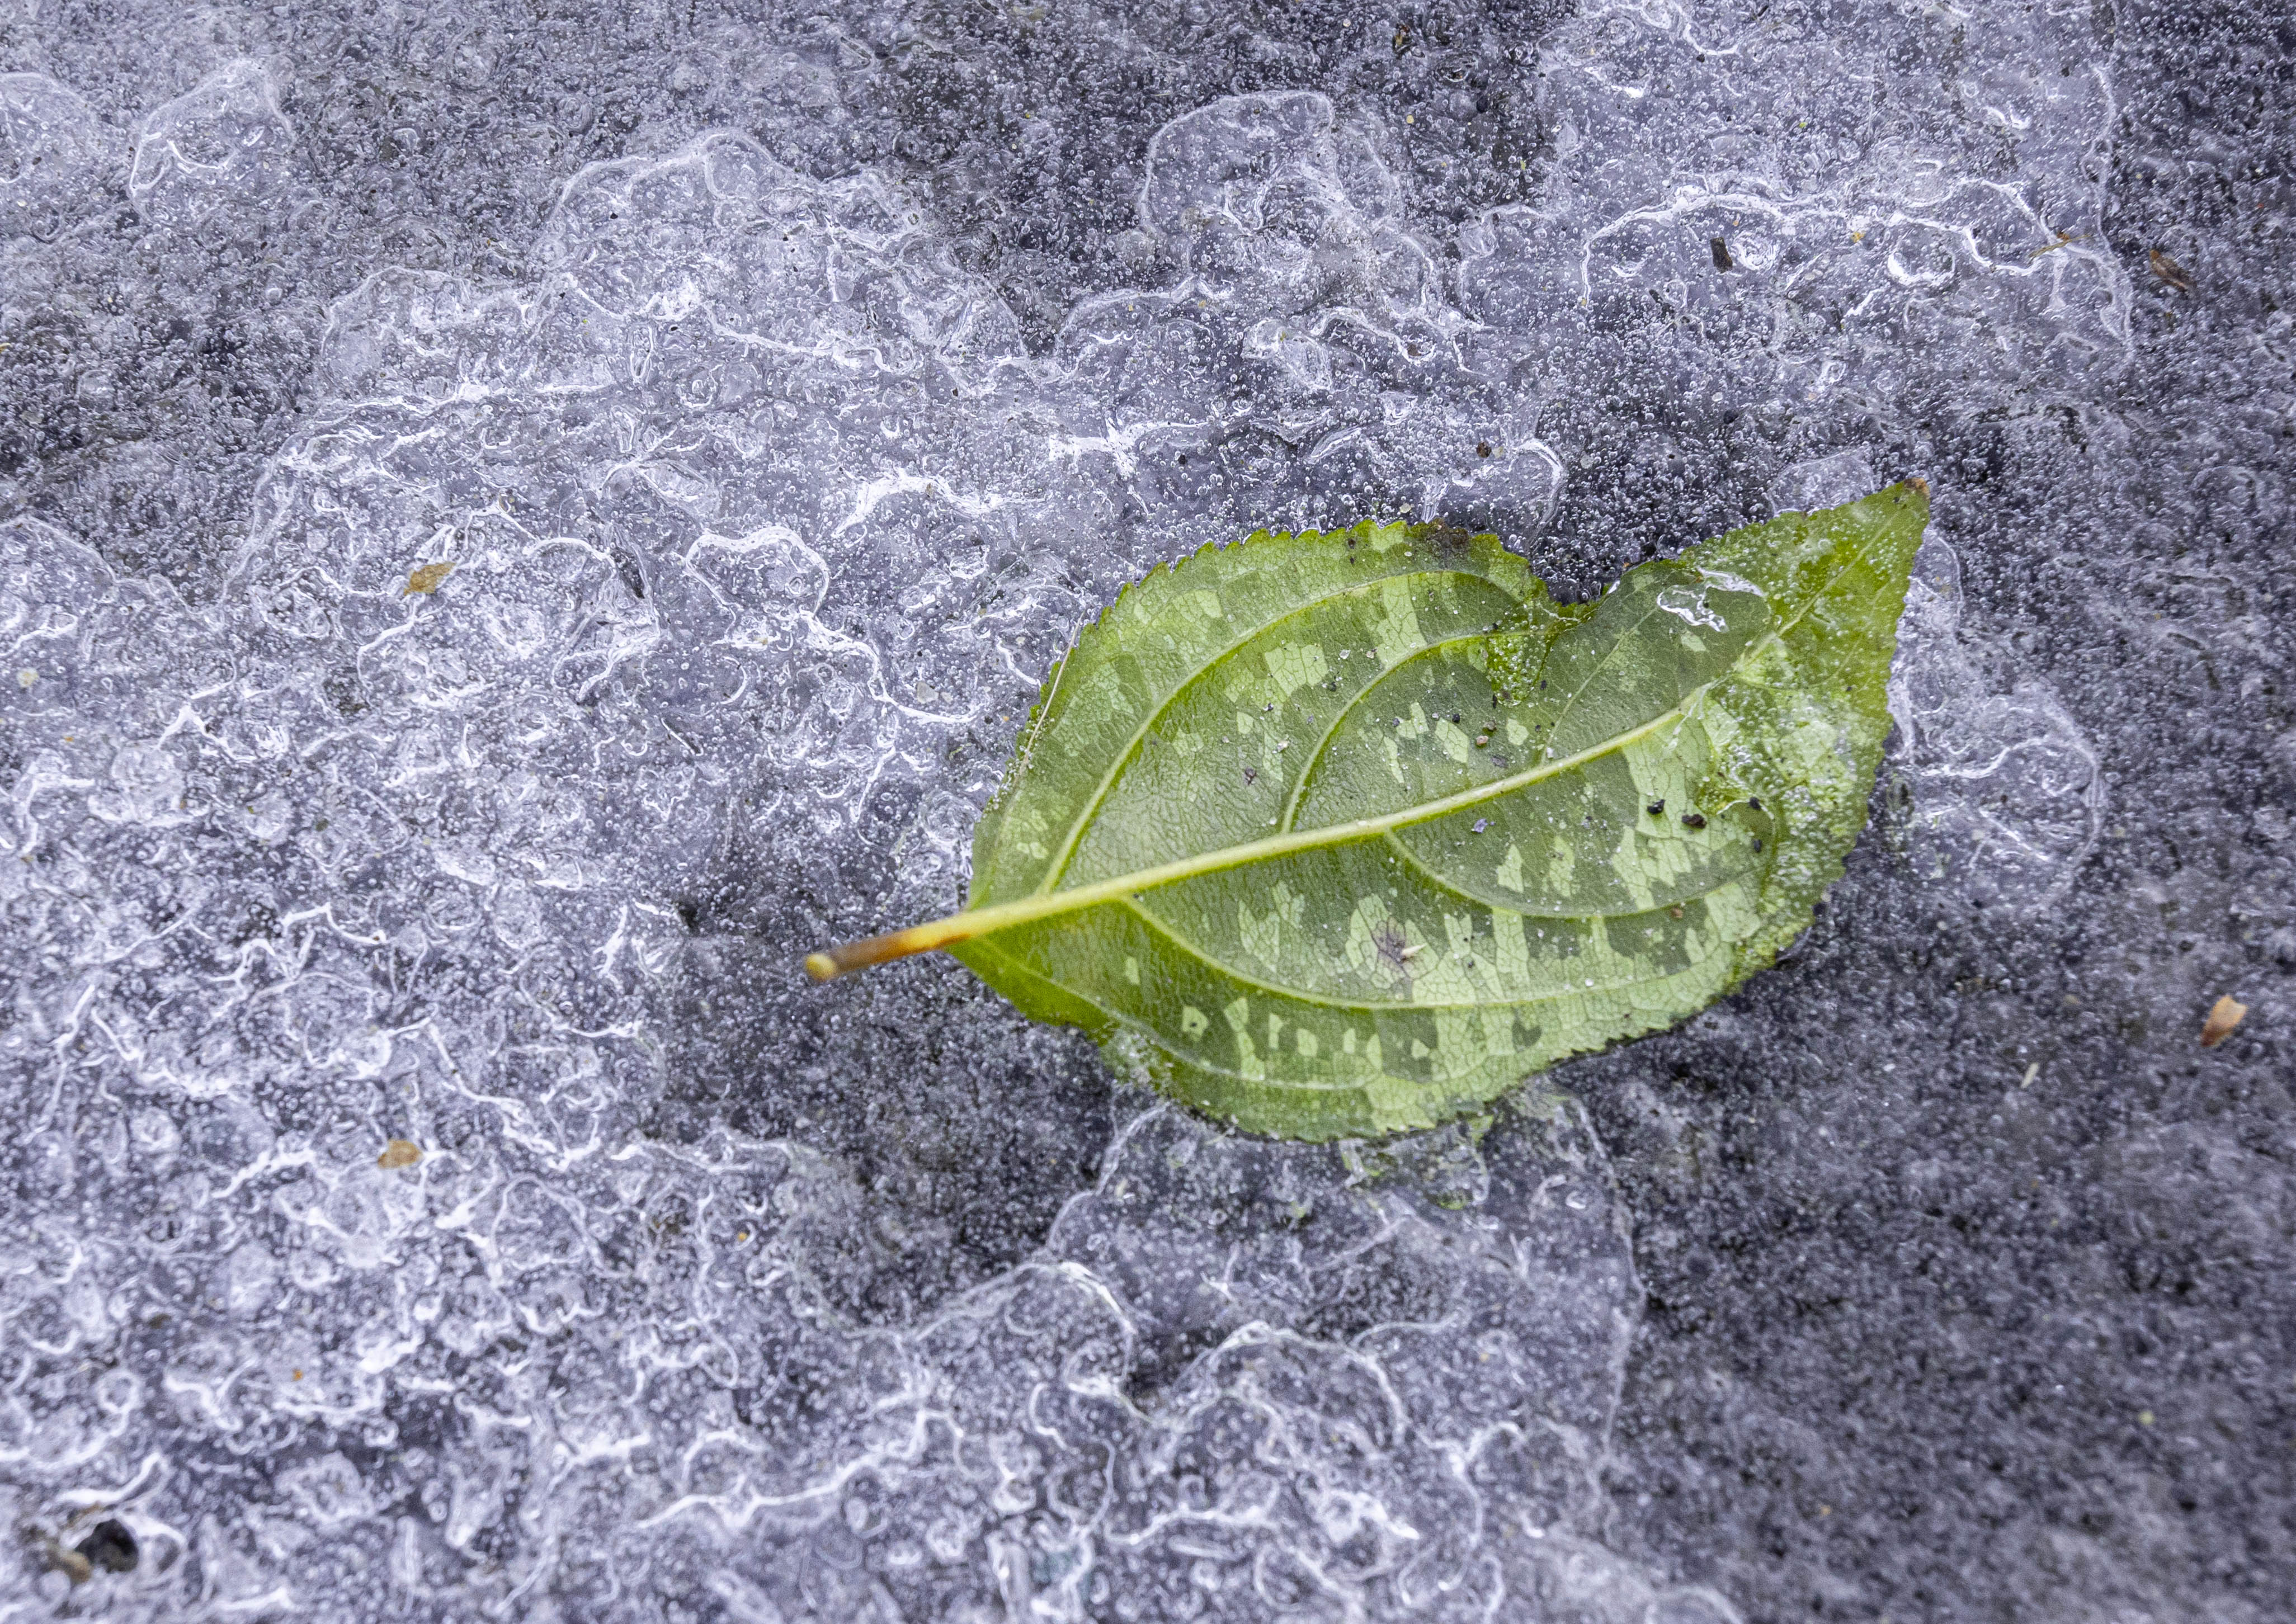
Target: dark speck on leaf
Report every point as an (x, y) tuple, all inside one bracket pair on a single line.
[(1754, 801), (1483, 448), (1721, 254), (1657, 808), (1693, 820), (1252, 775)]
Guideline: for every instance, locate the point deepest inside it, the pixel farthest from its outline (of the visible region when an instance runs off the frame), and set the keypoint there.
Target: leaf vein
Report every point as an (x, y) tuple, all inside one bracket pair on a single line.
[(1057, 868)]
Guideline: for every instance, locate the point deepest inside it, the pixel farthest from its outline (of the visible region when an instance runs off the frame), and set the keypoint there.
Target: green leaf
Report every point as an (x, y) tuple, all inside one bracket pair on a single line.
[(1345, 833)]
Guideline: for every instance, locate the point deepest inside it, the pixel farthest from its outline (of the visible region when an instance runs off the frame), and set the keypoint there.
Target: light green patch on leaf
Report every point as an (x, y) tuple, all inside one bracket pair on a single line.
[(1422, 861)]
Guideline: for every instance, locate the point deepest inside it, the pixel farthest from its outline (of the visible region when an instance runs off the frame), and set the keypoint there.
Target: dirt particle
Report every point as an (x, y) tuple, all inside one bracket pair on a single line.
[(70, 1563), (429, 578), (2222, 1021)]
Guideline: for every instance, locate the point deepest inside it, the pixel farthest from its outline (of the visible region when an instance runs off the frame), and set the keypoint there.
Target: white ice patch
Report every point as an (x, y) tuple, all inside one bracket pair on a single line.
[(56, 156), (1817, 483), (221, 149), (1309, 367), (2006, 797), (1688, 604), (761, 524), (1980, 235), (1725, 581)]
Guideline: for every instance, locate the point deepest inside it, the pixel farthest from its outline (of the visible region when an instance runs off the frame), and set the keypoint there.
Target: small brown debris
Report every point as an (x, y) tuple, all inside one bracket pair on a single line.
[(399, 1153), (69, 1562), (2222, 1020), (429, 578), (2169, 271), (1483, 448), (1721, 253), (1693, 820)]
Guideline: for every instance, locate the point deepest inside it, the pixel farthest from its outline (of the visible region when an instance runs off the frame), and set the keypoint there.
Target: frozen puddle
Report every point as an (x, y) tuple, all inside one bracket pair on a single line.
[(602, 641), (749, 517)]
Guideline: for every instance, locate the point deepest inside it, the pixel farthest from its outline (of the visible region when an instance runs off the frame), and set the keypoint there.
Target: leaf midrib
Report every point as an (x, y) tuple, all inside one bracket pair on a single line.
[(998, 916)]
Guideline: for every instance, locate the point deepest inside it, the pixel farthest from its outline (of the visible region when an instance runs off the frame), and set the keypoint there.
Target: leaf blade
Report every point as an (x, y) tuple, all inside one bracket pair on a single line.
[(1426, 913)]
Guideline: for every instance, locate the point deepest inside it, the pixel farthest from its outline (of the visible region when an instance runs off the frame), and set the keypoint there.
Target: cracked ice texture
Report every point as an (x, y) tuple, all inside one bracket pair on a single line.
[(763, 525), (753, 504)]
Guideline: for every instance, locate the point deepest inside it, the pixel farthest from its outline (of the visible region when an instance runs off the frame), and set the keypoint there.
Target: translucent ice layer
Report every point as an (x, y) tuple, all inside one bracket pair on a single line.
[(436, 1193)]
